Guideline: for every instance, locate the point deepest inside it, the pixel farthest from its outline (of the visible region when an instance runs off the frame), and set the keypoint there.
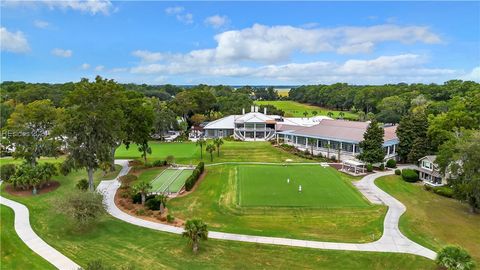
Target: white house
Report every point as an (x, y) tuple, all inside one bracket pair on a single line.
[(429, 172), (254, 126)]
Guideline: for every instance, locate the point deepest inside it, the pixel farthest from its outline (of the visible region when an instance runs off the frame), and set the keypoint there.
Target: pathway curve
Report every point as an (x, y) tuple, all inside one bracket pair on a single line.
[(392, 239), (33, 241)]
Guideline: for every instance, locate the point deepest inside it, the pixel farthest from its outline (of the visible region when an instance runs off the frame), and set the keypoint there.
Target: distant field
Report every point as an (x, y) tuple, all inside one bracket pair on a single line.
[(296, 109), (283, 92), (321, 187)]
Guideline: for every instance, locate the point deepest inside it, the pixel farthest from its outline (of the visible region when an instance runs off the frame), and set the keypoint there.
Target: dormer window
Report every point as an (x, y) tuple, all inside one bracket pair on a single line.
[(426, 164)]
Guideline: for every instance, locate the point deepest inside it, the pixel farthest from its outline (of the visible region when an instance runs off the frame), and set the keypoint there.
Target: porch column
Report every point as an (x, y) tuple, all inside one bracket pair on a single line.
[(296, 140), (306, 143), (353, 151), (394, 149)]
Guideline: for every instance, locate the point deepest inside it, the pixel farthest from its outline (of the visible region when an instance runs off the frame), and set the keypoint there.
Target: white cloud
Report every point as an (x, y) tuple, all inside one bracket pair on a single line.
[(116, 70), (85, 66), (15, 42), (174, 10), (180, 14), (185, 18), (99, 68), (41, 24), (87, 6), (217, 21), (473, 75), (396, 68), (272, 44), (62, 52), (148, 56)]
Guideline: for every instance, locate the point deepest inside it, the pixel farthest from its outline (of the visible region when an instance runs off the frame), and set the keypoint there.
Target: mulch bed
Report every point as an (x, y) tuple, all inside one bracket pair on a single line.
[(52, 185)]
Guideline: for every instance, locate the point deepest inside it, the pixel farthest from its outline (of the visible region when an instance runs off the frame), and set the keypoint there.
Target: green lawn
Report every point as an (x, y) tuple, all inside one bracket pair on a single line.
[(296, 109), (215, 201), (15, 254), (188, 153), (432, 220), (10, 160), (266, 185), (118, 243)]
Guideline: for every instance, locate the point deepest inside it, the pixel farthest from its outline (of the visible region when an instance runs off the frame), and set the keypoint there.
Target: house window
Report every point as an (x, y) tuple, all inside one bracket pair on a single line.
[(426, 164)]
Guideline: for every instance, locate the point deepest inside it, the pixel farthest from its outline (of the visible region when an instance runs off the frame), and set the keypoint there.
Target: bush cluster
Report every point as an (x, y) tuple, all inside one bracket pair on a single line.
[(159, 163), (303, 154), (154, 203), (127, 179), (381, 167), (170, 218), (192, 179), (137, 198), (369, 168), (409, 175), (398, 172), (444, 191), (7, 171), (391, 163), (82, 184)]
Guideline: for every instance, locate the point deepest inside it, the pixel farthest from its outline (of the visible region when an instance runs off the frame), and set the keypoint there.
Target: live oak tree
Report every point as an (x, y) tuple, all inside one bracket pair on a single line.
[(31, 130), (372, 150), (460, 159), (93, 122)]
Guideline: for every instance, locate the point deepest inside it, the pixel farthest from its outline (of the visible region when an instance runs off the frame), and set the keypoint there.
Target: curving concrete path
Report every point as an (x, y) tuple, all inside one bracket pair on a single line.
[(392, 239), (32, 240)]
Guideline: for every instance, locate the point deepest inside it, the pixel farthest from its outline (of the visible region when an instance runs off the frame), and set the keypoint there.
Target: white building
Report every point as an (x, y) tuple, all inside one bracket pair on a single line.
[(429, 172), (254, 126), (320, 134)]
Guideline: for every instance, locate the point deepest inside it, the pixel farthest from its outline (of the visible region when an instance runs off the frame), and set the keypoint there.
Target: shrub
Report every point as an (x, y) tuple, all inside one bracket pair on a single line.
[(159, 163), (82, 207), (7, 171), (443, 191), (381, 167), (409, 175), (454, 257), (148, 165), (369, 168), (137, 198), (192, 179), (391, 163), (82, 184), (140, 212), (170, 159), (170, 218), (135, 162), (153, 203), (137, 168), (398, 172)]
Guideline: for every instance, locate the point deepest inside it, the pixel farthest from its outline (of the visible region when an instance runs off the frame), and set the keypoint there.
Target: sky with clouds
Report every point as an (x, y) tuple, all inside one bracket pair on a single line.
[(238, 43)]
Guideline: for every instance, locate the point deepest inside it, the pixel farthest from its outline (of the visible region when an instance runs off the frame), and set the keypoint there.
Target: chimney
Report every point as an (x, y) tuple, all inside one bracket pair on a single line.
[(265, 110), (243, 111), (252, 109)]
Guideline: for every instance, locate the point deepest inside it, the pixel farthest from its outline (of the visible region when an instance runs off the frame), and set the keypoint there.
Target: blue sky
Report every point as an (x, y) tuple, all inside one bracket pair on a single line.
[(240, 42)]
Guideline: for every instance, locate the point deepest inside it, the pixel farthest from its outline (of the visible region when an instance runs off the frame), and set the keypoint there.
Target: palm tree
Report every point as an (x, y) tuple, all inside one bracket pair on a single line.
[(454, 257), (210, 148), (145, 149), (330, 114), (201, 142), (218, 142), (143, 188), (195, 230), (305, 113), (311, 142), (163, 202)]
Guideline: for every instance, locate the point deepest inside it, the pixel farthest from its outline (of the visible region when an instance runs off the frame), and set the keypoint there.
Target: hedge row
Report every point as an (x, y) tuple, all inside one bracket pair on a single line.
[(409, 175), (192, 179)]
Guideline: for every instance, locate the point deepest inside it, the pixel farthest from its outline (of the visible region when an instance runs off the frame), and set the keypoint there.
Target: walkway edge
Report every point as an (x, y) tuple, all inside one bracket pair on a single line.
[(32, 240)]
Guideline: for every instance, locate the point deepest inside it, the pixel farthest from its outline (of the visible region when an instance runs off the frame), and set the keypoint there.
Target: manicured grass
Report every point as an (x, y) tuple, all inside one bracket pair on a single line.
[(18, 161), (296, 109), (433, 220), (189, 154), (180, 181), (163, 179), (215, 201), (266, 185), (14, 252), (118, 243)]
